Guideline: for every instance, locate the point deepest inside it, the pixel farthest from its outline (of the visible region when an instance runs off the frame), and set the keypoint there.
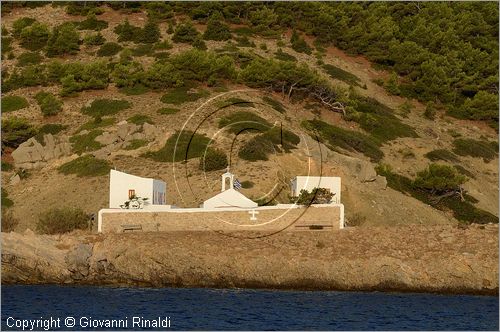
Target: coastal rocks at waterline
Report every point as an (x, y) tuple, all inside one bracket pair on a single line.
[(440, 258), (33, 154)]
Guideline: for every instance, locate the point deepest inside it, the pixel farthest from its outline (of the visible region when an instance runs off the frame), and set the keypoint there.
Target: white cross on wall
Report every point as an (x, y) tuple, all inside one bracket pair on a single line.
[(253, 213)]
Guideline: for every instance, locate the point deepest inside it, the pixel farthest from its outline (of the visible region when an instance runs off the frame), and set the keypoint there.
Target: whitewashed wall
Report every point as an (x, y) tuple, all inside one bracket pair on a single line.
[(310, 182), (120, 183)]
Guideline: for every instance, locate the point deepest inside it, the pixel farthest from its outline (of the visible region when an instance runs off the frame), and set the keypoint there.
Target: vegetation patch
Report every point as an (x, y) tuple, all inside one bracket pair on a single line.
[(16, 131), (49, 104), (86, 142), (168, 110), (135, 90), (378, 120), (7, 166), (235, 102), (345, 139), (185, 33), (29, 58), (183, 95), (143, 50), (342, 75), (62, 220), (92, 23), (238, 122), (13, 103), (84, 166), (274, 104), (180, 147), (441, 154), (95, 39), (283, 56), (273, 140), (109, 49), (140, 119), (135, 144), (49, 128), (6, 201), (98, 122), (462, 210), (213, 160), (247, 184), (299, 44), (103, 107), (474, 148)]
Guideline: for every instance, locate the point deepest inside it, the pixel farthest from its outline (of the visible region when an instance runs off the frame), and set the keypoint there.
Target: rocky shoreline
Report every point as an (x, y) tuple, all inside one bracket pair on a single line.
[(438, 259)]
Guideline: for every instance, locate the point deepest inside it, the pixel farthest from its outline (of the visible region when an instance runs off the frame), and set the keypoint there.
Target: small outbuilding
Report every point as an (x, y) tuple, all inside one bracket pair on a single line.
[(123, 187)]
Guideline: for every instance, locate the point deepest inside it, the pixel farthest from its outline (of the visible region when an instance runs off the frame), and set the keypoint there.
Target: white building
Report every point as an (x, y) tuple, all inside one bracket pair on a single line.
[(123, 186), (310, 182), (229, 197)]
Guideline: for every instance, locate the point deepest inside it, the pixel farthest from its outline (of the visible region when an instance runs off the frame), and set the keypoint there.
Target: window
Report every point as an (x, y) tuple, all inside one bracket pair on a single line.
[(131, 193)]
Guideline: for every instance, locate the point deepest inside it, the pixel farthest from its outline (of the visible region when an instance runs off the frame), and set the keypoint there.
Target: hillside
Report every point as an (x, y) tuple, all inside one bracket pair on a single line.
[(114, 85)]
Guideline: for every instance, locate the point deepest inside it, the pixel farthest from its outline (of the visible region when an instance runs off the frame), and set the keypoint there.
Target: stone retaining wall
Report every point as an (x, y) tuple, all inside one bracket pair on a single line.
[(324, 217)]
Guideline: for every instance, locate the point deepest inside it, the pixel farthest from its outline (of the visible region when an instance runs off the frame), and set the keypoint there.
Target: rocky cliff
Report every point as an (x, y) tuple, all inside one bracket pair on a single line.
[(444, 259)]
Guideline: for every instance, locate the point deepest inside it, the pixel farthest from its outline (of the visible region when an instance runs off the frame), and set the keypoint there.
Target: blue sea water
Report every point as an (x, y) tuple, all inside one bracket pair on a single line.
[(238, 309)]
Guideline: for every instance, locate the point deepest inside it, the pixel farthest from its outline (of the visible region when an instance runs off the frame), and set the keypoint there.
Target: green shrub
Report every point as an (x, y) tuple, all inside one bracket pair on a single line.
[(49, 128), (35, 36), (168, 110), (315, 196), (6, 201), (213, 160), (29, 58), (127, 32), (15, 131), (161, 55), (109, 49), (439, 179), (274, 104), (13, 103), (95, 39), (257, 148), (185, 33), (98, 122), (86, 142), (282, 137), (164, 45), (128, 74), (140, 119), (186, 144), (460, 169), (462, 210), (199, 44), (238, 122), (64, 39), (342, 75), (299, 44), (283, 56), (76, 76), (142, 50), (85, 166), (135, 144), (247, 184), (216, 28), (244, 42), (441, 154), (134, 90), (21, 23), (92, 23), (430, 111), (346, 139), (182, 95), (48, 103), (150, 33), (103, 107), (83, 8), (6, 167), (474, 148), (378, 120), (62, 220), (233, 101)]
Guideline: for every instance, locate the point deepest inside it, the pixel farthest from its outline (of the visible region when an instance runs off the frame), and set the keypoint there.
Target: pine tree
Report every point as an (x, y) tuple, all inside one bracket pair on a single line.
[(216, 28), (150, 33)]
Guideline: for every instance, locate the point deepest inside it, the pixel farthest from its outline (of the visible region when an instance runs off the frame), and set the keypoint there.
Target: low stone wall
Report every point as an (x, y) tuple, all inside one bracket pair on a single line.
[(324, 217)]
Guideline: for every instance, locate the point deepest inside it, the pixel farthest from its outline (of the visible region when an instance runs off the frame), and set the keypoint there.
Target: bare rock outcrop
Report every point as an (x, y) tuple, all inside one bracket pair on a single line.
[(33, 154), (441, 258)]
